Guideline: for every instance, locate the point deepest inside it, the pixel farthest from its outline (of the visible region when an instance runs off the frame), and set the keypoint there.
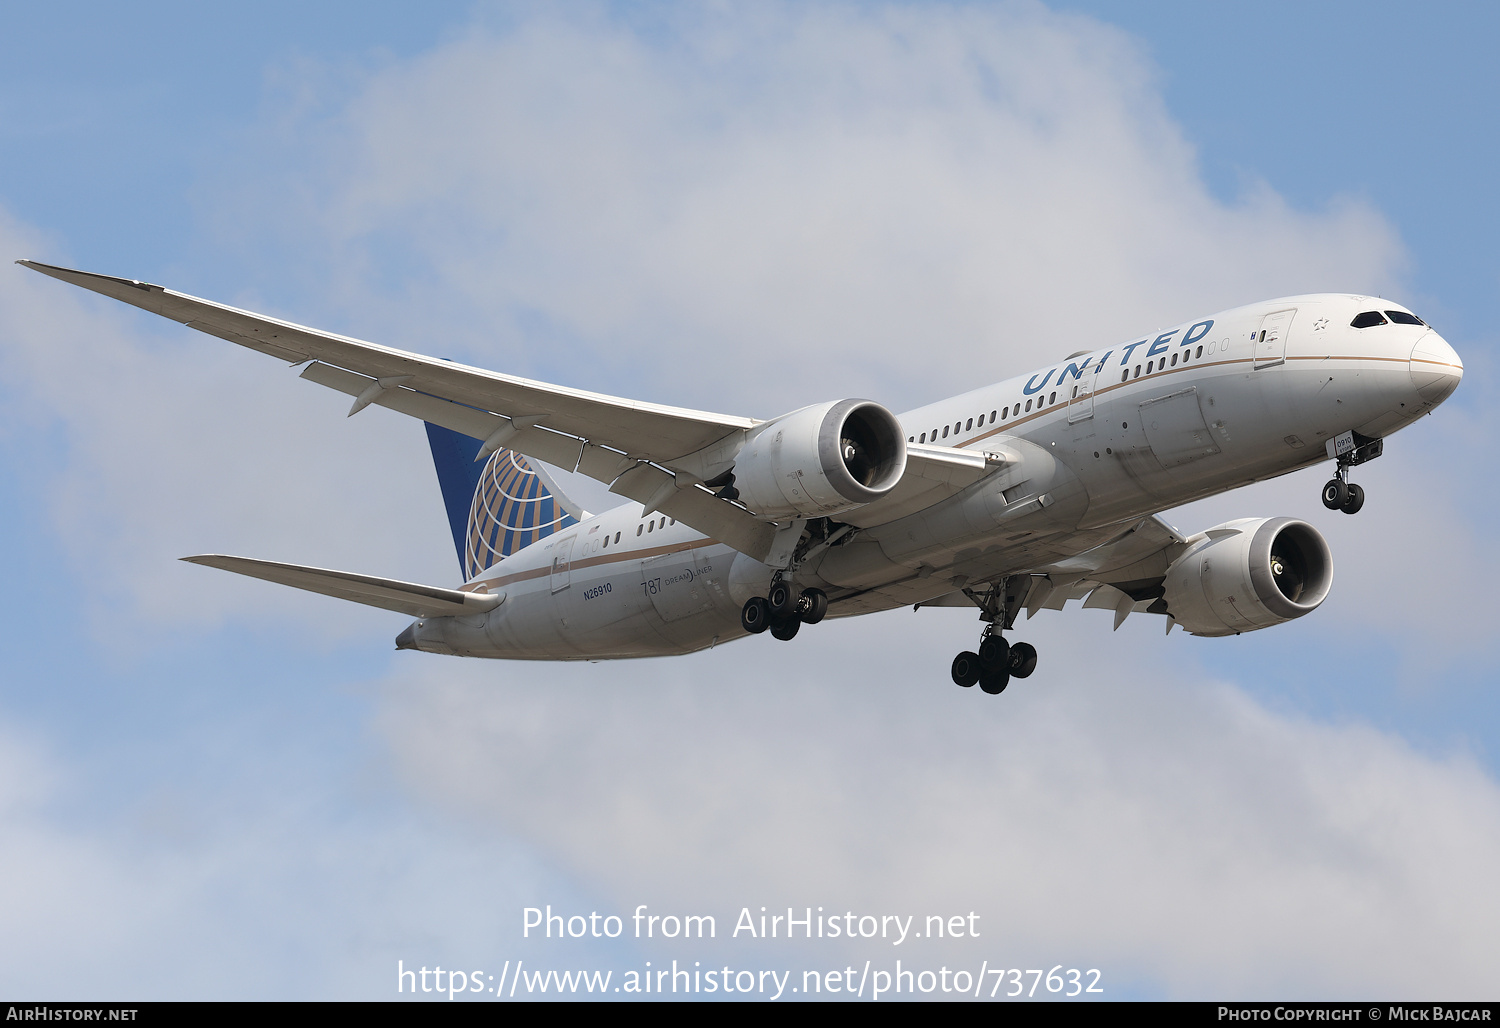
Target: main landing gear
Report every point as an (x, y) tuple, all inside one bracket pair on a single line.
[(997, 661), (783, 610)]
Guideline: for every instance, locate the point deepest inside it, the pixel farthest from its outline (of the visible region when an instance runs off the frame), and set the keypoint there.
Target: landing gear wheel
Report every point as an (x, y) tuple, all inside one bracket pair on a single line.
[(966, 669), (994, 681), (784, 630), (1022, 660), (1336, 494), (993, 652), (781, 599), (812, 606), (755, 616), (1355, 501)]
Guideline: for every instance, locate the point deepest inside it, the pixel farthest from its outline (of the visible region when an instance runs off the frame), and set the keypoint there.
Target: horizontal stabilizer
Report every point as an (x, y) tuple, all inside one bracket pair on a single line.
[(422, 601)]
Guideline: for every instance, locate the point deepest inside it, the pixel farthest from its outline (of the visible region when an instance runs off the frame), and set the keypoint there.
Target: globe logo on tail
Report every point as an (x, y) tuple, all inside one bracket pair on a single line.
[(512, 509)]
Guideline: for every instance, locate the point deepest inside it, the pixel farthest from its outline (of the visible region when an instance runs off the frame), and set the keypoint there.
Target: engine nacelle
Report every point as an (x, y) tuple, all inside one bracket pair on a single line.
[(1249, 574), (821, 460)]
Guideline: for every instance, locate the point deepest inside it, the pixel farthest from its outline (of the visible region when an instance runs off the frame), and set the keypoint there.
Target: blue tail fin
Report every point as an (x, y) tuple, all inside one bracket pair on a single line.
[(495, 507)]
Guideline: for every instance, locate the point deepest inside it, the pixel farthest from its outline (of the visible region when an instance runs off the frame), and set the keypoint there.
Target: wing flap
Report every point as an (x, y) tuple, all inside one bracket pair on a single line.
[(693, 505), (555, 448), (406, 597)]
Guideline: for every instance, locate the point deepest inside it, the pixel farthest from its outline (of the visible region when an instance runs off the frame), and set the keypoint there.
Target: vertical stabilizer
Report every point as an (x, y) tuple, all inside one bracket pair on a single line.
[(497, 506)]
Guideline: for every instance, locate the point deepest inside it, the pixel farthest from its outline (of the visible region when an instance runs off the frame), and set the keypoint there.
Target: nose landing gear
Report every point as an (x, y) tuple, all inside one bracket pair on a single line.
[(1350, 449), (1343, 495), (997, 661)]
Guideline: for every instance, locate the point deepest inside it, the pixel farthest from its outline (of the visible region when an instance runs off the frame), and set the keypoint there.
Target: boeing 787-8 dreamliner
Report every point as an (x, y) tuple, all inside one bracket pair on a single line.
[(1015, 496)]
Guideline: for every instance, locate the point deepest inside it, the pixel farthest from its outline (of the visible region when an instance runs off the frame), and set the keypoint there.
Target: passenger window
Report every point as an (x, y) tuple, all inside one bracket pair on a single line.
[(1198, 354), (1148, 366), (957, 427), (650, 525), (1028, 405), (617, 538), (970, 425), (1125, 375), (945, 431), (672, 522), (1137, 371), (639, 529), (1052, 398), (1004, 413), (1403, 318), (1075, 393), (924, 437), (1368, 319), (1174, 360), (663, 523)]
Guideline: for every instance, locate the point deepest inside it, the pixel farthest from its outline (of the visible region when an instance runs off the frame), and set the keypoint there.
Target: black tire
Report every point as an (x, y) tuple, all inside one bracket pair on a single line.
[(1022, 660), (1355, 501), (1335, 494), (993, 652), (781, 599), (755, 616), (994, 682), (966, 669), (785, 629), (812, 606)]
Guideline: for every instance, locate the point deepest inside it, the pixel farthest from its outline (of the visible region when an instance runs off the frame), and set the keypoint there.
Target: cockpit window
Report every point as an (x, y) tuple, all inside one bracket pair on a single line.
[(1403, 318), (1367, 320)]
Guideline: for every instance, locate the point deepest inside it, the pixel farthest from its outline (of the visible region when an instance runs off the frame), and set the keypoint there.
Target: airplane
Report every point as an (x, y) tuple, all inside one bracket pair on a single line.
[(1021, 495)]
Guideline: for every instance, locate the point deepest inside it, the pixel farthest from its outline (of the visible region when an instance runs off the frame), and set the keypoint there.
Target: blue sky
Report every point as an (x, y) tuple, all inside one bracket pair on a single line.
[(209, 788)]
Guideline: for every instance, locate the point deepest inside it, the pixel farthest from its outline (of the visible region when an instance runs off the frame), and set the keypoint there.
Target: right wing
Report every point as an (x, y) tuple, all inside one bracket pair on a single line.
[(654, 454)]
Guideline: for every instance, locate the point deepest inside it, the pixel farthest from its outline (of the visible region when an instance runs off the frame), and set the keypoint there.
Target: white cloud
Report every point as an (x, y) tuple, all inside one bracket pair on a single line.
[(1167, 829), (274, 889), (763, 208)]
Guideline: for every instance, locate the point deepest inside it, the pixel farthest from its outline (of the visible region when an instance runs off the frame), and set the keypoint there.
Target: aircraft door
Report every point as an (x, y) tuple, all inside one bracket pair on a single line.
[(1270, 341), (1175, 428), (1081, 399), (562, 560)]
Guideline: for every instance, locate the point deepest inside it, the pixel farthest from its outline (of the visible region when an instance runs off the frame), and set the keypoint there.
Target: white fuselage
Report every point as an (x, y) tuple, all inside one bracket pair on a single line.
[(1092, 442)]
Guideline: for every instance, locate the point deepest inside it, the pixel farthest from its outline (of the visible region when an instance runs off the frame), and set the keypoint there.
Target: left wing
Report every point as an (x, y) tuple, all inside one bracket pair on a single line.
[(651, 453)]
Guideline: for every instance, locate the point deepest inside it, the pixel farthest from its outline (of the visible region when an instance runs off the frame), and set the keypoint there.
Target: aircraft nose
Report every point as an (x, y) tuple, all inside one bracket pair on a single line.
[(1435, 368)]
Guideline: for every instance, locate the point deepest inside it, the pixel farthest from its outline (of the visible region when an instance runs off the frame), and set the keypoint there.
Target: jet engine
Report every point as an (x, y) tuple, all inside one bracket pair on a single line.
[(1248, 574), (821, 460)]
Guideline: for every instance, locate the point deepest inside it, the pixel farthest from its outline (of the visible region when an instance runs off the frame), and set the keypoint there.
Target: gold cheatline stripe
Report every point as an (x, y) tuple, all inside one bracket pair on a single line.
[(587, 562)]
